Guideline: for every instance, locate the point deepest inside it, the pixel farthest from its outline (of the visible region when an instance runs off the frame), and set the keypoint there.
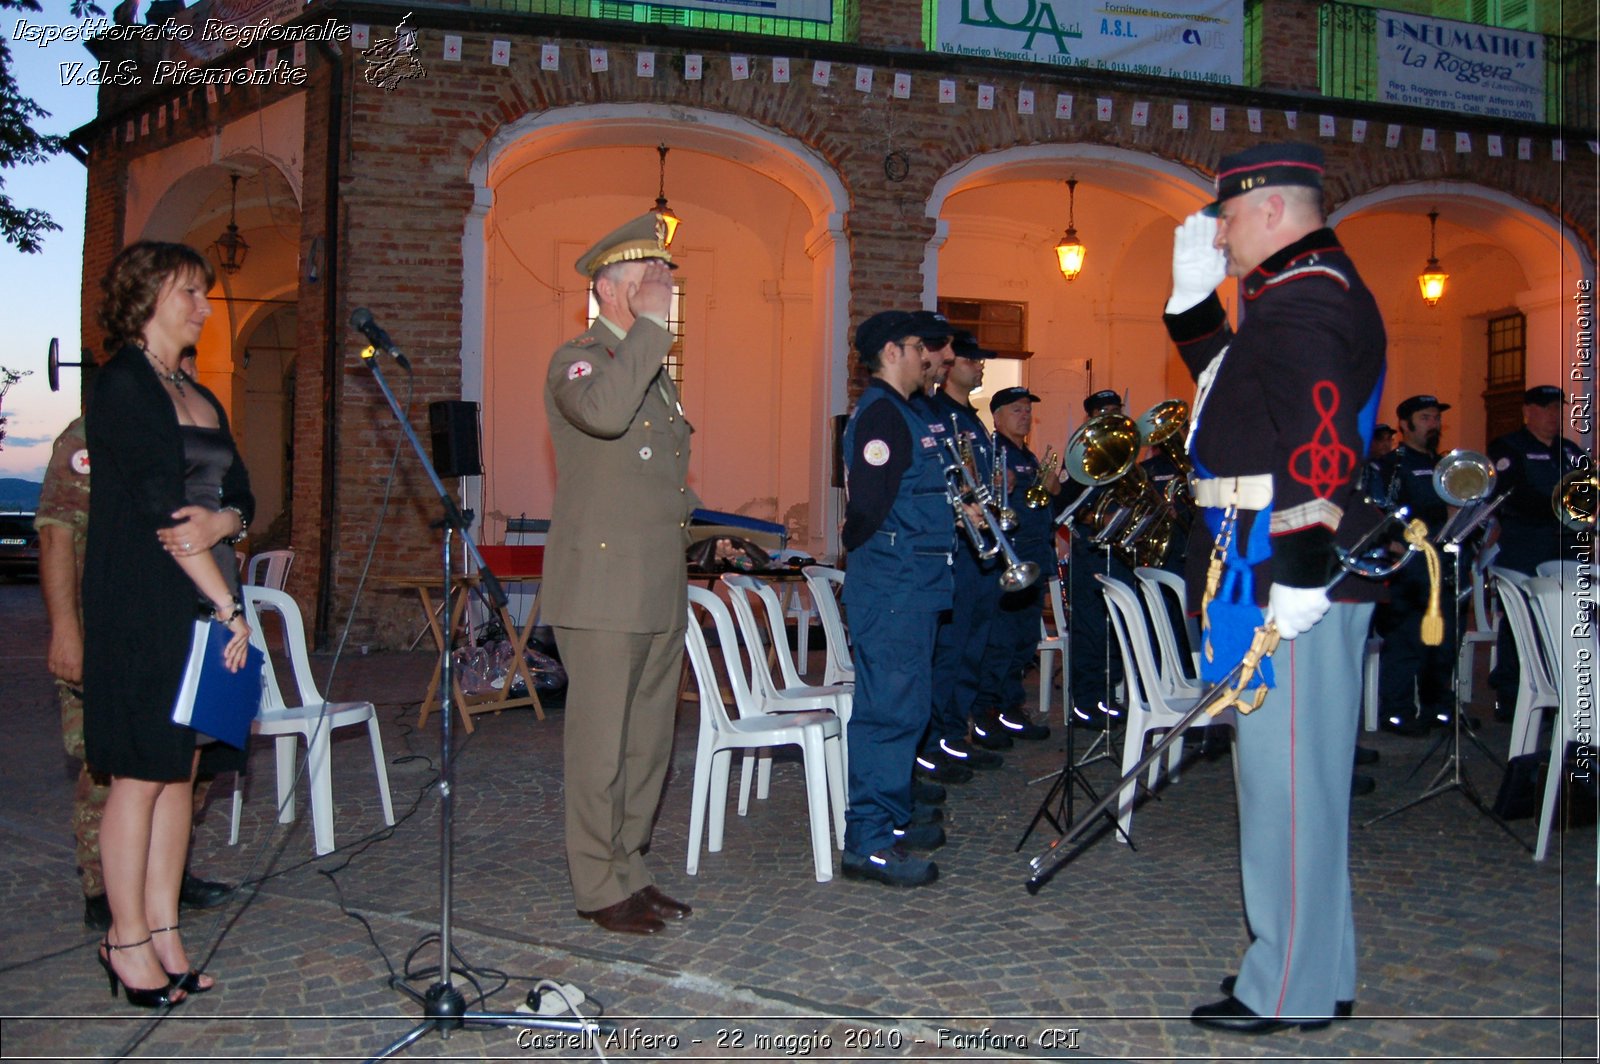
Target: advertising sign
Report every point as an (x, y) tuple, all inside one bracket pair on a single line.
[(1199, 40), (1460, 66)]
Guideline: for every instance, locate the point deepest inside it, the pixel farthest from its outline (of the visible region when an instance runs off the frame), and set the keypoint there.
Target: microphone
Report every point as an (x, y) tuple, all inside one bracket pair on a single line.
[(361, 321)]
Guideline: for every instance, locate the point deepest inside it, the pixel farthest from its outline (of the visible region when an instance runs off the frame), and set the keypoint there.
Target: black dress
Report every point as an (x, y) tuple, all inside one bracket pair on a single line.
[(139, 606)]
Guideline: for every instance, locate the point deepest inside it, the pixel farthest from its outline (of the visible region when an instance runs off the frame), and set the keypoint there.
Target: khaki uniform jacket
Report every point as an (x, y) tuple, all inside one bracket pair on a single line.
[(614, 559)]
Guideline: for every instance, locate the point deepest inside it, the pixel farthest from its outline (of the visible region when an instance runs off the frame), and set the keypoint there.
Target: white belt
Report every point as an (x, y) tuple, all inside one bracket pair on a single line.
[(1253, 492)]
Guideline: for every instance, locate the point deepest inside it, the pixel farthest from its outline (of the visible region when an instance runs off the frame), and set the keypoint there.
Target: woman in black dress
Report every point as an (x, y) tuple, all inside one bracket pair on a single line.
[(169, 497)]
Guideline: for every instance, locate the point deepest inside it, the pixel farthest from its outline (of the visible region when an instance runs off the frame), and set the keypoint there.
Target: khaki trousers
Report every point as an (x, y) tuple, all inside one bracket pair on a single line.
[(621, 700)]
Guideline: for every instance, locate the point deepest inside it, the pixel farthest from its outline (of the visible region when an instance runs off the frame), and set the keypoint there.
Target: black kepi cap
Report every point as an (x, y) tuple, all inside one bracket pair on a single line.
[(1267, 165), (1007, 396), (1410, 406), (892, 325), (1102, 399), (1542, 395)]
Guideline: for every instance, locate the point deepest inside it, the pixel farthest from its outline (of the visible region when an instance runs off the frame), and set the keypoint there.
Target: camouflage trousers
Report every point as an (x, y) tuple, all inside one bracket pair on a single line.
[(90, 792)]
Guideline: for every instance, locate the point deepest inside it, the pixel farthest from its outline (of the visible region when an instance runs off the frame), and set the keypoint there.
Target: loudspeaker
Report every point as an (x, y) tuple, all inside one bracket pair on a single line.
[(454, 426)]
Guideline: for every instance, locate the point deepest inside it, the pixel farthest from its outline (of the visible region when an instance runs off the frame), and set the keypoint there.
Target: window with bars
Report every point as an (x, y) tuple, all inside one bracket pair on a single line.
[(1000, 326), (674, 363), (1508, 352)]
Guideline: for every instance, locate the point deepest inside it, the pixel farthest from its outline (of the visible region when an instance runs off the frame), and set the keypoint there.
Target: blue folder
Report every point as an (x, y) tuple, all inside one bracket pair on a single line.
[(211, 699)]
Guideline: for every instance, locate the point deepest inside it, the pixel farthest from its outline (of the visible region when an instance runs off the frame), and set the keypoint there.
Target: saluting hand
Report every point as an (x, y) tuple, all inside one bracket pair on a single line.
[(653, 294)]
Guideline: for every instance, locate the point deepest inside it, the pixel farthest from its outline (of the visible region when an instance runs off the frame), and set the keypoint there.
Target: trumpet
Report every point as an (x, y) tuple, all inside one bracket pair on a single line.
[(997, 489), (1573, 500), (964, 488), (1036, 496)]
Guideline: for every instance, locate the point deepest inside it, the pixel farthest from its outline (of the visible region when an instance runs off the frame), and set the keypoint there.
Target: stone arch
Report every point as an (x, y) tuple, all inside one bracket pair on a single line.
[(1103, 330), (1503, 253), (625, 135)]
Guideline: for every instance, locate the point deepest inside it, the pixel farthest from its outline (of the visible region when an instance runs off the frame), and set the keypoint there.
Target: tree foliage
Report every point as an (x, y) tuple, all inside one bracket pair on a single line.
[(20, 143)]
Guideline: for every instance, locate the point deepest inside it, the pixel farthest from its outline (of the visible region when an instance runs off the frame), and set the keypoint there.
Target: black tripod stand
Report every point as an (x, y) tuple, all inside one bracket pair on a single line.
[(1450, 777), (1056, 809), (443, 1007)]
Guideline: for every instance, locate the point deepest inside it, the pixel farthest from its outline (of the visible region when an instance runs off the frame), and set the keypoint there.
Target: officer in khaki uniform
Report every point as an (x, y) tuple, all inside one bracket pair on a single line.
[(614, 572)]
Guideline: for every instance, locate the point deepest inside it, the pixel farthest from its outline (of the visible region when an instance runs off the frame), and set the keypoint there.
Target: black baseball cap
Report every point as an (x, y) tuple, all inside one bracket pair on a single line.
[(1102, 399), (1542, 395), (1006, 396), (891, 325), (965, 345), (1410, 406), (933, 323), (1267, 165)]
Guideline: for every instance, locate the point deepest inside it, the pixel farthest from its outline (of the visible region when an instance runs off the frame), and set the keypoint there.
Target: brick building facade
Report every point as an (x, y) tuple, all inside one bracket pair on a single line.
[(452, 205)]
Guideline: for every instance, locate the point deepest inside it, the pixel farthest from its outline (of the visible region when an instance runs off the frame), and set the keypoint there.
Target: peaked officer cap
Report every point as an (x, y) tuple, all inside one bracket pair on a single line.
[(643, 238)]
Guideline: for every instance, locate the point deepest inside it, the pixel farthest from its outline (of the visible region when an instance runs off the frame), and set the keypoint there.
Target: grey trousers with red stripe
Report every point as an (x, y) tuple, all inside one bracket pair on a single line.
[(1295, 757)]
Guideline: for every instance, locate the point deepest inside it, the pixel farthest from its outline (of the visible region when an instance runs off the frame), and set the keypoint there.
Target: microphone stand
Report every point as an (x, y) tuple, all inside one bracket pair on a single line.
[(443, 1007)]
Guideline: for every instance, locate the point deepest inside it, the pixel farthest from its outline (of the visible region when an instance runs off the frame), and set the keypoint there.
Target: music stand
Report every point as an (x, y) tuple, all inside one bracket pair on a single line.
[(443, 1007), (1450, 777), (1056, 808)]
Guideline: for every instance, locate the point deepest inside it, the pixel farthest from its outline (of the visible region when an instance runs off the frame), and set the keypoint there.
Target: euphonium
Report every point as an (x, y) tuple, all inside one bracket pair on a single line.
[(1037, 496), (1463, 477), (1573, 500)]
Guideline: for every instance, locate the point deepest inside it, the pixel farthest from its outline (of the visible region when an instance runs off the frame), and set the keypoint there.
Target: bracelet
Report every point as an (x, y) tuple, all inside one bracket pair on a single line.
[(225, 614), (244, 526)]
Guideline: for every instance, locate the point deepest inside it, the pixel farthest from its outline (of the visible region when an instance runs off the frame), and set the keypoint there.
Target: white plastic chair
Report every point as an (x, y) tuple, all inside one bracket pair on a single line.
[(1184, 680), (1052, 651), (818, 734), (270, 568), (1485, 628), (1564, 571), (1536, 684), (1564, 622), (1150, 710), (826, 586), (794, 694), (313, 719)]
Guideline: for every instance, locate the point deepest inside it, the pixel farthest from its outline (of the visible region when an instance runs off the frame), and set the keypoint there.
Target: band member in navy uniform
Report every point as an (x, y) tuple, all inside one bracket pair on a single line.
[(1095, 666), (1014, 635), (899, 532), (946, 756), (1410, 672), (1285, 406), (1529, 463)]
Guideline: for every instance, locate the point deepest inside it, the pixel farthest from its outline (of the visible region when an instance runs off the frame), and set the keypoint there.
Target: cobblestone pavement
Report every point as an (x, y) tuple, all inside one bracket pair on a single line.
[(1469, 951)]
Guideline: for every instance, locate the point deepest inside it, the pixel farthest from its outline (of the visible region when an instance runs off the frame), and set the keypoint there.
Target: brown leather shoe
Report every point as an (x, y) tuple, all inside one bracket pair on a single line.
[(627, 917), (658, 903)]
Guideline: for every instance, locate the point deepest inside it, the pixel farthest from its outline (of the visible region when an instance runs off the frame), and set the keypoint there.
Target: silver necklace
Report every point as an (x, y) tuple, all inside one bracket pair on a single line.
[(176, 376)]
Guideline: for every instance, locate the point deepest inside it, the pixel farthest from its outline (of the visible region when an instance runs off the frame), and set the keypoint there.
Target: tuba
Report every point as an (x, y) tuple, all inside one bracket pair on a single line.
[(1162, 427), (1573, 500)]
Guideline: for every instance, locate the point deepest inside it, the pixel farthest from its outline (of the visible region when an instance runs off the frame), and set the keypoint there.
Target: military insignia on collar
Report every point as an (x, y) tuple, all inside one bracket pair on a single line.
[(585, 341), (80, 461), (579, 369), (876, 452)]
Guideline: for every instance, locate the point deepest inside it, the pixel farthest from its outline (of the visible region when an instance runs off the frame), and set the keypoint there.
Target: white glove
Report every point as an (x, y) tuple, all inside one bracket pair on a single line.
[(1197, 267), (1296, 609)]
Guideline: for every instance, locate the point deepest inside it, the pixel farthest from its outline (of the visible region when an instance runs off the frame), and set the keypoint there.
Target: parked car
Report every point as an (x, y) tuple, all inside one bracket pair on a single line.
[(19, 545)]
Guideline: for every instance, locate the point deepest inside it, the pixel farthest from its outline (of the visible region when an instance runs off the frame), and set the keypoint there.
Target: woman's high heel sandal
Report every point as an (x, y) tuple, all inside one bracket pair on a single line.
[(153, 998), (188, 982)]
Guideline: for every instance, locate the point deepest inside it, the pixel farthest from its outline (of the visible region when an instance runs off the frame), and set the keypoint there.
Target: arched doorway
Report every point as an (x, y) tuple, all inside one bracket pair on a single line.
[(762, 281)]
